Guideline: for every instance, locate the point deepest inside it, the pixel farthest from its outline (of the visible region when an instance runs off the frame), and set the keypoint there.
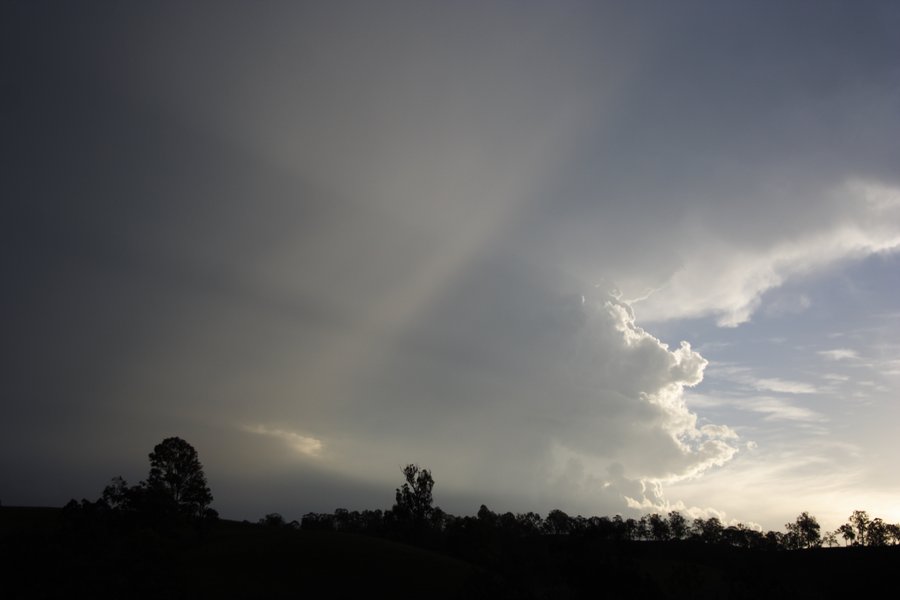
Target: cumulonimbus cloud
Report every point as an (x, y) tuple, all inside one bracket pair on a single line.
[(591, 408)]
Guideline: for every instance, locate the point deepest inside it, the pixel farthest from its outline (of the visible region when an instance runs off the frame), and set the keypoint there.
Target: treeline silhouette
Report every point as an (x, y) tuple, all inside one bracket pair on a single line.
[(176, 489), (164, 533), (175, 492), (414, 517)]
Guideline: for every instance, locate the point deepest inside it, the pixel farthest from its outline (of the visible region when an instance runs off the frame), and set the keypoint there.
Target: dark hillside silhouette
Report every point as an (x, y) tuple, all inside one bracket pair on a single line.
[(159, 539)]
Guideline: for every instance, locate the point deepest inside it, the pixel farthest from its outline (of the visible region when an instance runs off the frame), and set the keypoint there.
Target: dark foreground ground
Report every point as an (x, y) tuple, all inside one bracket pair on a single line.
[(44, 556)]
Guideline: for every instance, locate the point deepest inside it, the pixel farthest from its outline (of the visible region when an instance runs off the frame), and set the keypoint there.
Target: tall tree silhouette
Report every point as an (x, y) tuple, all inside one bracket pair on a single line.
[(678, 525), (859, 520), (177, 476), (848, 533), (804, 532), (414, 497), (659, 527)]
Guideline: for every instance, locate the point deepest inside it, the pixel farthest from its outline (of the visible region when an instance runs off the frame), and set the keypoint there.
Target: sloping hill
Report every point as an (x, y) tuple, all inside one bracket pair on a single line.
[(45, 553), (42, 557)]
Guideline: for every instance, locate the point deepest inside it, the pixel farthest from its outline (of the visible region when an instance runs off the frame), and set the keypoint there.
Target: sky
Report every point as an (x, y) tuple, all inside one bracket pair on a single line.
[(606, 257)]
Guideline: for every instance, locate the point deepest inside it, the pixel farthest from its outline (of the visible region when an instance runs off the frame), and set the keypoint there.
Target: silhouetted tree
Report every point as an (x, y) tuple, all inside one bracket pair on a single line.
[(117, 494), (737, 535), (643, 528), (678, 525), (773, 540), (708, 531), (438, 519), (372, 521), (176, 486), (659, 528), (177, 476), (486, 516), (752, 538), (579, 524), (529, 523), (317, 521), (877, 533), (848, 533), (862, 530), (557, 523), (343, 519), (859, 520), (274, 520), (619, 528), (803, 532), (414, 497), (630, 529), (894, 533)]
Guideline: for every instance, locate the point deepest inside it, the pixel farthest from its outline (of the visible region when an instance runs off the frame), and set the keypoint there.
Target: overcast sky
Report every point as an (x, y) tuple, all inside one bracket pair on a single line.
[(607, 257)]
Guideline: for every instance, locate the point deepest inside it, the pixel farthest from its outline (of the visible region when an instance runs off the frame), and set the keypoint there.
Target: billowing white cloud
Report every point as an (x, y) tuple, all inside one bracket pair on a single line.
[(723, 432), (662, 386), (728, 281), (590, 403)]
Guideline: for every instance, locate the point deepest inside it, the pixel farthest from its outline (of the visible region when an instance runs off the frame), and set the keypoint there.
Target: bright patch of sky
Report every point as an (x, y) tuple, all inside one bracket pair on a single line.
[(825, 437)]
